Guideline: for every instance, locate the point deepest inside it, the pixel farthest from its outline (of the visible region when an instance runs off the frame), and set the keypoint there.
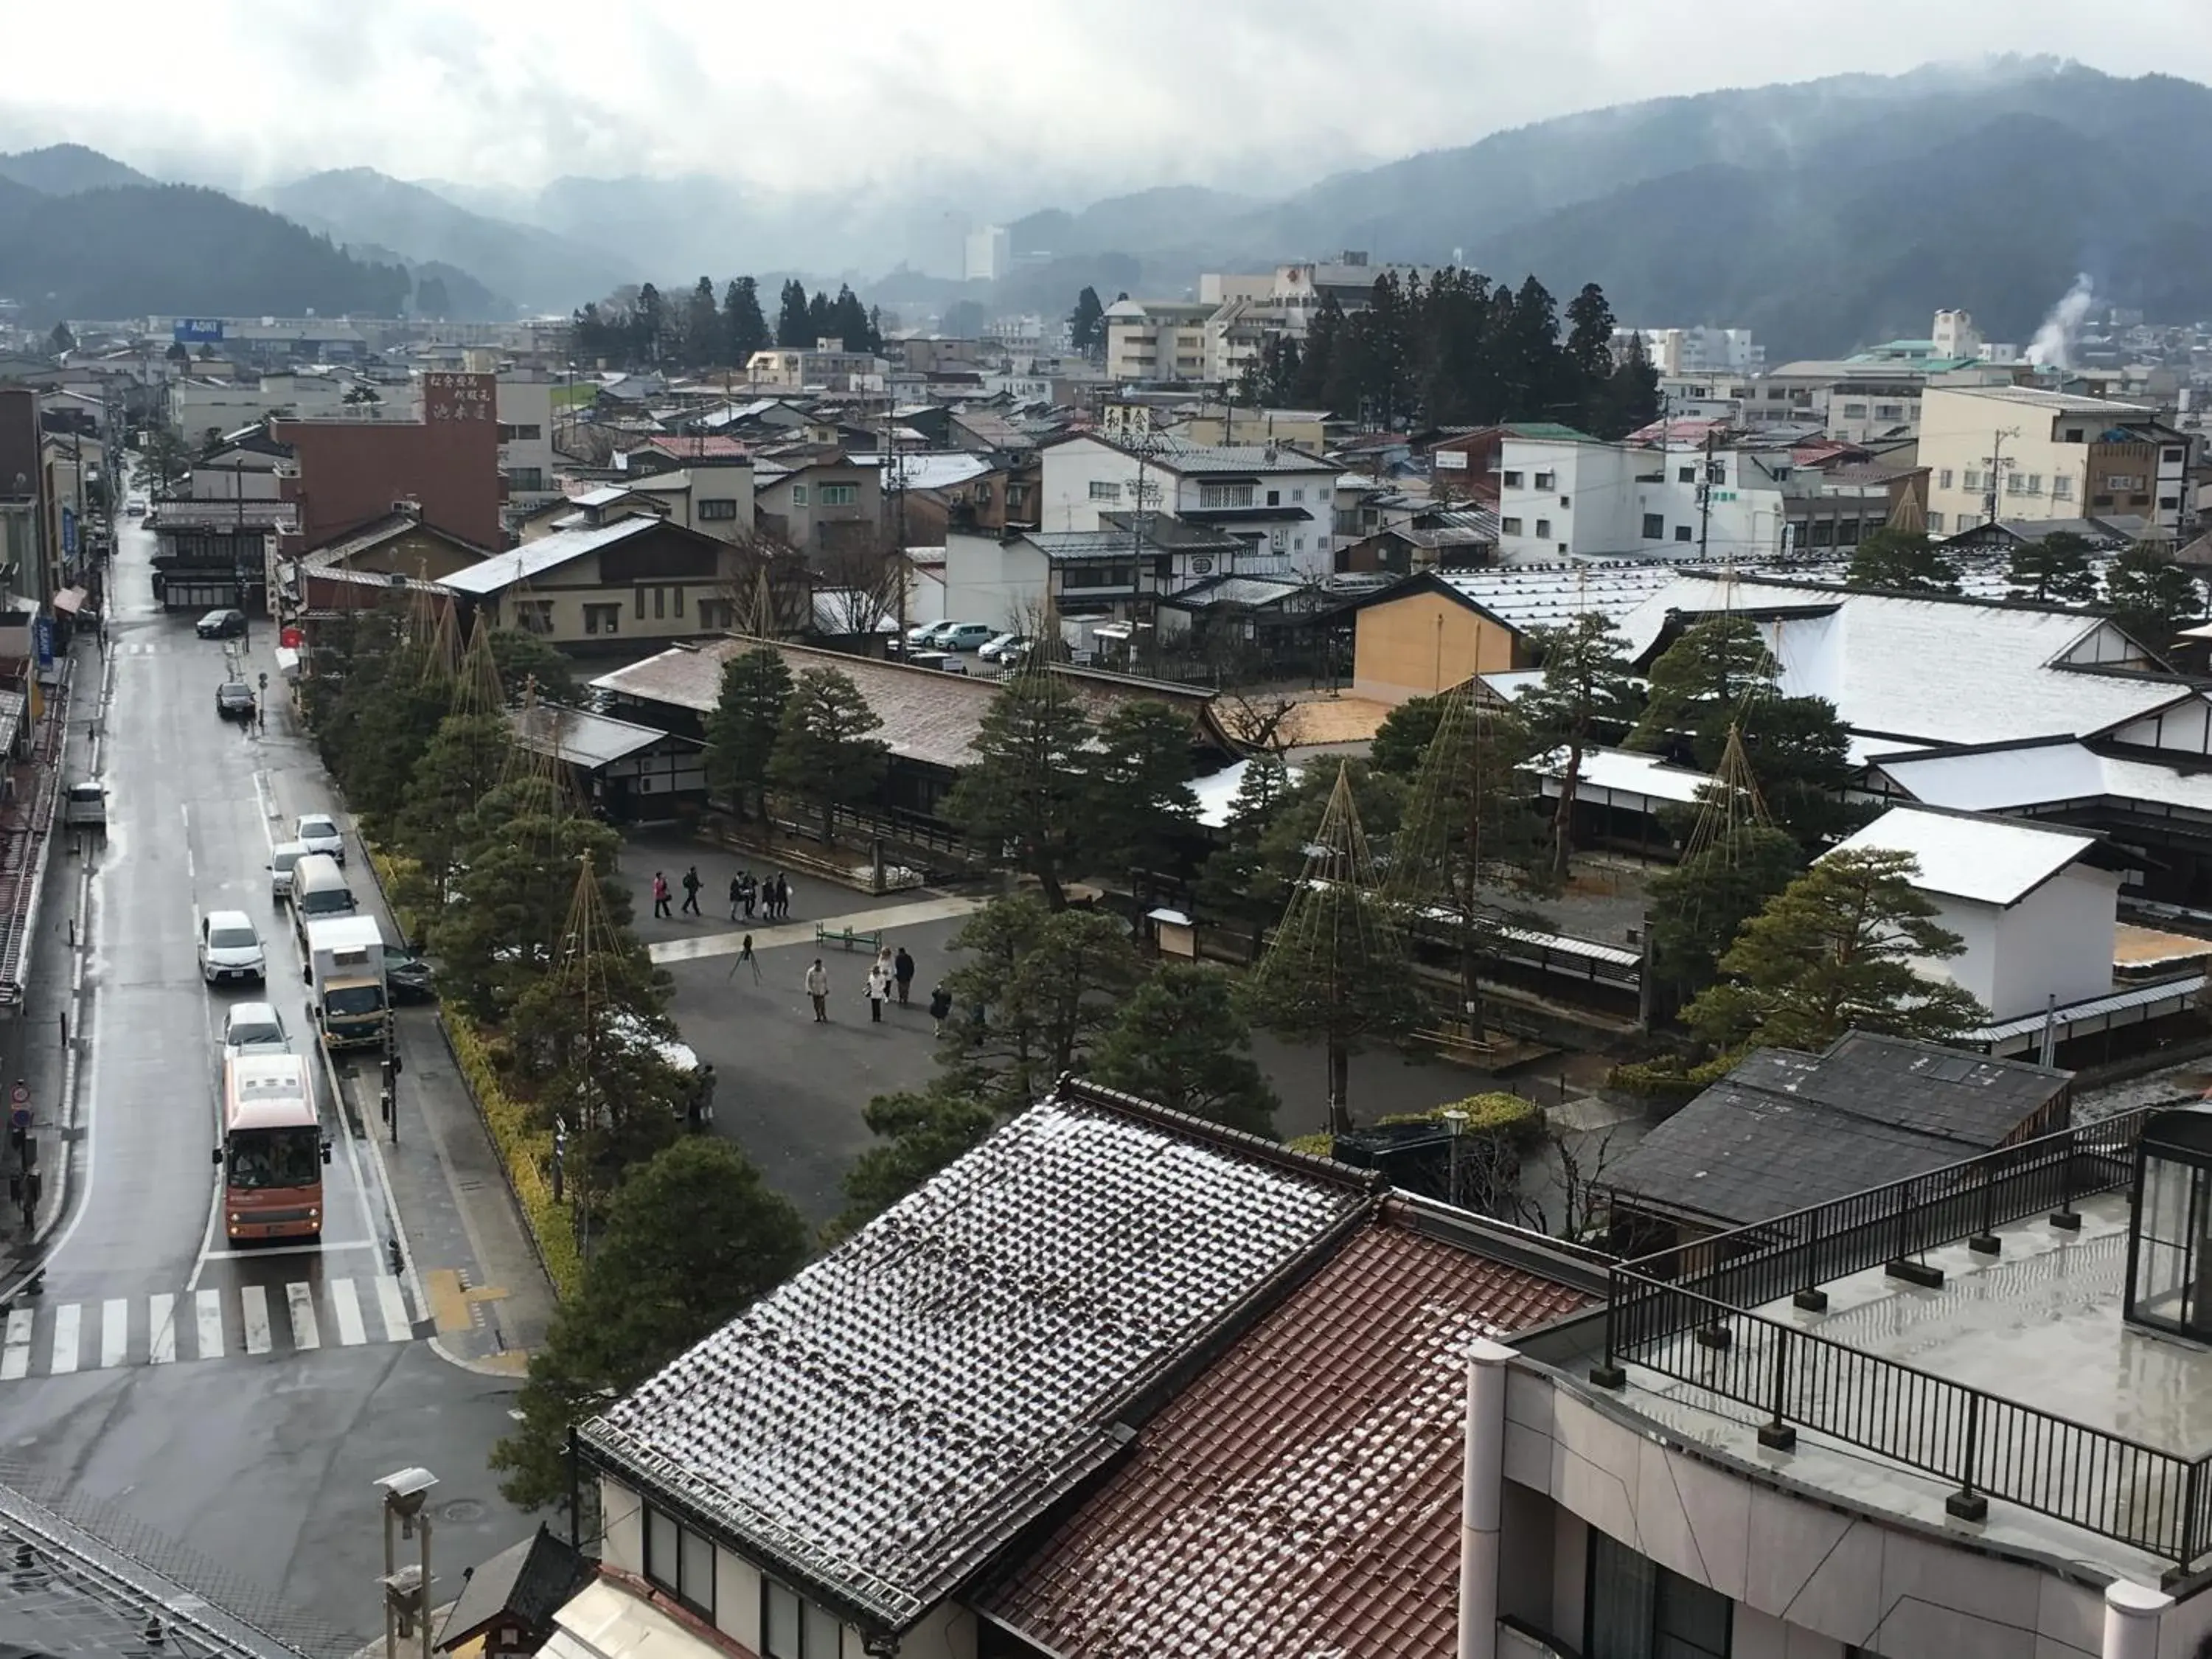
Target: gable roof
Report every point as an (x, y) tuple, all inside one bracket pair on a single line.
[(364, 538), (1301, 1497), (890, 1417), (1785, 1131), (580, 737), (1992, 860), (528, 1581), (532, 559)]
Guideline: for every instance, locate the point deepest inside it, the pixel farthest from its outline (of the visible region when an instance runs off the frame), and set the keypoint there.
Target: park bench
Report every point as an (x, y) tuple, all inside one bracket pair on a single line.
[(847, 938)]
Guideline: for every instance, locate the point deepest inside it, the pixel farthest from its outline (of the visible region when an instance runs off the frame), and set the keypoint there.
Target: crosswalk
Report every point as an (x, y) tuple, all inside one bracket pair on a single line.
[(40, 1339)]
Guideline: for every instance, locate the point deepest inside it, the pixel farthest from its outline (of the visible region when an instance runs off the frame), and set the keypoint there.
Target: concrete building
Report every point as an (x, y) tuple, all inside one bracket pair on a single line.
[(527, 458), (1564, 494), (826, 367), (1706, 351), (445, 464), (199, 406), (990, 253), (1158, 339), (825, 509), (2015, 451), (606, 587), (1279, 501)]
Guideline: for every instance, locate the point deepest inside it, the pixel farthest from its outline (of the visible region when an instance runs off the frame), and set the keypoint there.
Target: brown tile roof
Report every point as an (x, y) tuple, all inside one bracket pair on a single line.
[(1303, 1495), (927, 715)]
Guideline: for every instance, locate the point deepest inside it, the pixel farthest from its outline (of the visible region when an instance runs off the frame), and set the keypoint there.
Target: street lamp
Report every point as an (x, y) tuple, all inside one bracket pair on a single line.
[(406, 1589), (1455, 1121)]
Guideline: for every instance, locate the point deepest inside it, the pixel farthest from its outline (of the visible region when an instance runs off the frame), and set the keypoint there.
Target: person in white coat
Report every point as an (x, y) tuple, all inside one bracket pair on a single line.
[(879, 989)]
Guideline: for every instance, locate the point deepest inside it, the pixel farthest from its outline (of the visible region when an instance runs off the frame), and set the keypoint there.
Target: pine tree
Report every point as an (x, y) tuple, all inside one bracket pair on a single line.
[(1587, 688), (2150, 597), (792, 327), (1029, 786), (1087, 325), (743, 725), (1180, 1042), (702, 327), (1901, 561), (824, 753), (848, 321), (1536, 377), (648, 326), (1695, 909), (744, 331), (2054, 570), (820, 323), (1141, 773), (1317, 369), (1590, 352), (1833, 953)]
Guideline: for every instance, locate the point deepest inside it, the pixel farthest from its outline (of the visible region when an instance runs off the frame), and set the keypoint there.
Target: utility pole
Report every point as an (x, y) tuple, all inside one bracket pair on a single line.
[(1705, 492), (1996, 463)]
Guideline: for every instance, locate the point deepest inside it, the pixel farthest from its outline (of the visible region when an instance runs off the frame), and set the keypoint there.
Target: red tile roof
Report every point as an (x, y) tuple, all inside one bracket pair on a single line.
[(1303, 1495)]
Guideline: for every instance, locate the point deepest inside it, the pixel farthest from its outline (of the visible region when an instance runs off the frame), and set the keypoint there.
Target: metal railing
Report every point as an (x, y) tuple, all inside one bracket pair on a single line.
[(1685, 1313)]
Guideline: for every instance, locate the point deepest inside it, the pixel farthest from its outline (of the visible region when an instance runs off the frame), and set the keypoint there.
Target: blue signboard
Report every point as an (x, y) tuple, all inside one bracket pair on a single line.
[(69, 531), (42, 633), (198, 330)]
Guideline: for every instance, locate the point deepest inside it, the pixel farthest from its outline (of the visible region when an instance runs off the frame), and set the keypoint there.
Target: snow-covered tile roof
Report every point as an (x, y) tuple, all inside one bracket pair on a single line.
[(1626, 772), (2038, 774), (1933, 671), (532, 559), (1992, 860), (891, 1415)]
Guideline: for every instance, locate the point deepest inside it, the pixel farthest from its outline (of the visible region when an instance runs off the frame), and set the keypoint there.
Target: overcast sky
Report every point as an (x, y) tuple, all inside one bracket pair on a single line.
[(1242, 93)]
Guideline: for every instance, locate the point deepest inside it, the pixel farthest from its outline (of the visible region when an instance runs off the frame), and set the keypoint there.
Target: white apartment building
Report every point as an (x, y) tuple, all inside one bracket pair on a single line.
[(827, 366), (1565, 495), (525, 438), (1697, 350), (2012, 452), (1279, 501), (198, 407), (1158, 339), (990, 253)]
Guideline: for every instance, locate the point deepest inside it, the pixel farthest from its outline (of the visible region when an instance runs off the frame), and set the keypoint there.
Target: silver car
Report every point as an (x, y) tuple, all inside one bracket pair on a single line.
[(319, 832), (281, 857), (254, 1028)]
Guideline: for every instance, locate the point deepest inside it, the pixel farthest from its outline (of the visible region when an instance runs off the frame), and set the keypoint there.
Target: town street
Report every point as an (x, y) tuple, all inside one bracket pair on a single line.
[(239, 1402)]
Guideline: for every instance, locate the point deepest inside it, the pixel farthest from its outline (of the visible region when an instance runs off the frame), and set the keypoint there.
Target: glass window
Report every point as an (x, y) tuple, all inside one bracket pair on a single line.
[(2062, 489), (640, 596), (724, 507), (1509, 526), (1973, 477), (842, 495), (1655, 526), (680, 1560), (784, 1623), (1543, 527), (1681, 532), (1103, 491), (799, 494), (1943, 479), (1936, 522), (1639, 1610), (1214, 496), (1512, 480), (1686, 475)]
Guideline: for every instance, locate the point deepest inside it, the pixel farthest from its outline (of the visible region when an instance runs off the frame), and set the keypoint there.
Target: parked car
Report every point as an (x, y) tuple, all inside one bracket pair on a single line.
[(1007, 648), (939, 660), (319, 832), (220, 624), (281, 857), (85, 807), (963, 636), (918, 635), (230, 948), (234, 701), (134, 508), (408, 977), (254, 1028)]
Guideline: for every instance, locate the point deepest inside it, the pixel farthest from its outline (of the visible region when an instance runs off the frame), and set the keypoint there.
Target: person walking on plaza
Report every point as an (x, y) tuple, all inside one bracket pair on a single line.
[(736, 894), (691, 885), (902, 973), (749, 894), (659, 894), (940, 1007), (782, 896), (818, 987), (879, 990)]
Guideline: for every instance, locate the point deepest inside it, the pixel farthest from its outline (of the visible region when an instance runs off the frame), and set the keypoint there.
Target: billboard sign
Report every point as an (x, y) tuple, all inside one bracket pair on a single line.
[(69, 533), (42, 632), (197, 331)]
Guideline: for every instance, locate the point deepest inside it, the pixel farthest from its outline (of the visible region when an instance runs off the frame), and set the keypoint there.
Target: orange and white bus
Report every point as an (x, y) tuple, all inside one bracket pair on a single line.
[(273, 1151)]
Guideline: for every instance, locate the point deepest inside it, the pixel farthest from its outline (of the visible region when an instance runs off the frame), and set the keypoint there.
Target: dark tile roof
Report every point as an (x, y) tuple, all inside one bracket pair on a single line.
[(1784, 1131), (528, 1581), (1301, 1497)]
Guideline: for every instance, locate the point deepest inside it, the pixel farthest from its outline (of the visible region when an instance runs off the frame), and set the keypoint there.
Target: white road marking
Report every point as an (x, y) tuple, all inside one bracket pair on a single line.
[(394, 1305), (261, 792), (162, 1312), (255, 1300), (114, 1332), (67, 1320), (351, 1331), (16, 1354), (190, 875), (209, 1314), (302, 1300), (291, 1249)]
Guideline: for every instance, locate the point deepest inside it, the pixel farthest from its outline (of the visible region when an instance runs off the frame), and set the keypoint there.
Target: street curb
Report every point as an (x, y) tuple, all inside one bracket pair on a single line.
[(505, 1173)]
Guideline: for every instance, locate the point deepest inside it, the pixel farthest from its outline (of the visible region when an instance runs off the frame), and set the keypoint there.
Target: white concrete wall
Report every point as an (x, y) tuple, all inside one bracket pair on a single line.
[(1974, 969), (989, 581), (1068, 471), (1603, 514), (621, 1516), (2058, 940)]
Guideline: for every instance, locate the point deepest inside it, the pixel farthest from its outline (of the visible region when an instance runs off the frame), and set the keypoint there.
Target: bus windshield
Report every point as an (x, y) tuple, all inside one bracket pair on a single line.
[(345, 1000), (267, 1160)]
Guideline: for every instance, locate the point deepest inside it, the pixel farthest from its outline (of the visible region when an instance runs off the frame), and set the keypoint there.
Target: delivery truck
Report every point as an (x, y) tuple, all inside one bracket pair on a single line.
[(345, 973)]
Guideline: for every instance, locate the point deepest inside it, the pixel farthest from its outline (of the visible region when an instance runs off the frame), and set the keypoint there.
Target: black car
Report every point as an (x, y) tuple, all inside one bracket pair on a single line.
[(220, 624), (233, 700), (409, 976)]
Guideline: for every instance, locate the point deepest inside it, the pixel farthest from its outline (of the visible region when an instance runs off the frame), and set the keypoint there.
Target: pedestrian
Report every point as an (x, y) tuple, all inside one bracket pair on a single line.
[(782, 896), (744, 955), (659, 894), (691, 886), (736, 894), (903, 973), (750, 892), (702, 1092), (879, 991), (818, 987), (940, 1007)]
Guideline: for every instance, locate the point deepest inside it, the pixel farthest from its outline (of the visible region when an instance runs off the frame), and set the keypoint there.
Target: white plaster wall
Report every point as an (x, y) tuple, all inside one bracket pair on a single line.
[(621, 1516), (2059, 940), (736, 1597), (1975, 969), (1068, 470), (987, 581)]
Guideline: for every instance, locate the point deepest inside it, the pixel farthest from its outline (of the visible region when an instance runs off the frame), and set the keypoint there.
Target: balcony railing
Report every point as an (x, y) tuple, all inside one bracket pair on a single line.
[(1686, 1314)]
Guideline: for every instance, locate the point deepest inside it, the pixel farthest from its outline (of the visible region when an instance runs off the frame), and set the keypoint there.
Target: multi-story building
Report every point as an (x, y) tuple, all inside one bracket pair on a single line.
[(2022, 452), (828, 366), (1710, 351), (1158, 339), (1279, 501), (444, 465), (525, 438), (604, 584), (827, 509), (990, 253)]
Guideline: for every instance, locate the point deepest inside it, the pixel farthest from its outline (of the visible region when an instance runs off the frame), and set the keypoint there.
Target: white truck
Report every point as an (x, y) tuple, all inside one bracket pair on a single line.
[(345, 970)]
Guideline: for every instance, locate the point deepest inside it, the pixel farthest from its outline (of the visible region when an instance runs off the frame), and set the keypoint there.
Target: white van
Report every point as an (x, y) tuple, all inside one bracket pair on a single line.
[(319, 891)]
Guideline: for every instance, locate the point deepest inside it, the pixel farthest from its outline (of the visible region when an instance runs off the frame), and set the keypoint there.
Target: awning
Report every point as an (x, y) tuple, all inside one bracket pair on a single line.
[(71, 600)]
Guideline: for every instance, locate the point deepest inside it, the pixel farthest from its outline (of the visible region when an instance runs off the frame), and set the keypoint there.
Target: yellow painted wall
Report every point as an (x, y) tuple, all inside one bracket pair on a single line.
[(1422, 644)]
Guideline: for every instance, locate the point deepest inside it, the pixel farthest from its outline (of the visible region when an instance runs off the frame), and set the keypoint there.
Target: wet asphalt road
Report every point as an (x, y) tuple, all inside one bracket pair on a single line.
[(229, 1407)]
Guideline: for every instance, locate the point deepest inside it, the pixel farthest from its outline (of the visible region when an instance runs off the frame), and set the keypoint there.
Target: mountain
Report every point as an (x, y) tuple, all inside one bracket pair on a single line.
[(68, 170), (139, 249), (536, 269)]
